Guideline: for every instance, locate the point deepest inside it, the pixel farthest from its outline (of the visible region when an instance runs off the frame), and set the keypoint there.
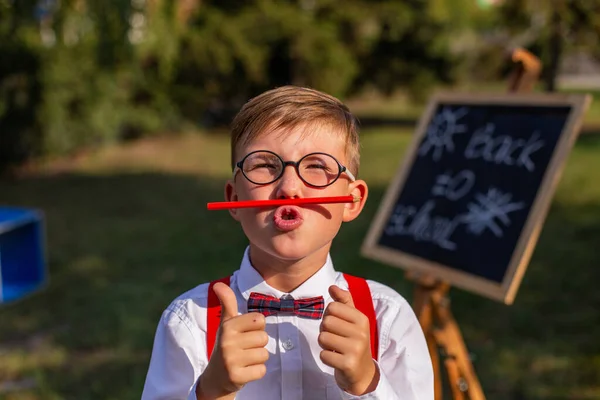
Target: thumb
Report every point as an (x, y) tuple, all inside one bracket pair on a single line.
[(229, 306), (341, 295)]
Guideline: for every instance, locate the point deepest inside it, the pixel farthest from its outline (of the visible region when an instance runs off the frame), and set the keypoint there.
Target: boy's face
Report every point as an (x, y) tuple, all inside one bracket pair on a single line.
[(293, 233)]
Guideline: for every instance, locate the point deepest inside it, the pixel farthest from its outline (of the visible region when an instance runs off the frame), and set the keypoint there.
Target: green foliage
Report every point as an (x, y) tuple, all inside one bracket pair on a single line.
[(410, 49), (229, 53), (91, 94), (19, 102), (20, 90), (112, 70), (70, 80)]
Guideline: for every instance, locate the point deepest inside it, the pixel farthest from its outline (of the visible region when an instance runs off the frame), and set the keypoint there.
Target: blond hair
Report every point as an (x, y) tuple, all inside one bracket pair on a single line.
[(289, 107)]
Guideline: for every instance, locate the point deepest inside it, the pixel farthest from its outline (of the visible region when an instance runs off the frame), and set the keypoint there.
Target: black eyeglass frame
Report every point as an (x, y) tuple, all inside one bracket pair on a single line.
[(295, 164)]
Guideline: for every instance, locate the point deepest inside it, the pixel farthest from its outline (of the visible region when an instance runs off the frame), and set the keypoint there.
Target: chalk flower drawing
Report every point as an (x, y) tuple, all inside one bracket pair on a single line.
[(488, 208), (441, 131)]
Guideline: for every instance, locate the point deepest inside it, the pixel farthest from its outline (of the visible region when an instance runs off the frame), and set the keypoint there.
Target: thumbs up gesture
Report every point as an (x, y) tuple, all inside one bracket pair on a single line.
[(239, 355), (345, 339)]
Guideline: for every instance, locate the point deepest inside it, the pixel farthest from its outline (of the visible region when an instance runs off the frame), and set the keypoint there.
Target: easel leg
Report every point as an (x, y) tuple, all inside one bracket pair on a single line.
[(462, 374), (464, 362), (424, 311), (435, 359), (454, 378), (442, 333)]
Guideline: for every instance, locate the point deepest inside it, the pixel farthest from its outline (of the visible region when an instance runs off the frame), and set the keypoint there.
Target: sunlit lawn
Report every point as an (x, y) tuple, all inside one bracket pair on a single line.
[(127, 232)]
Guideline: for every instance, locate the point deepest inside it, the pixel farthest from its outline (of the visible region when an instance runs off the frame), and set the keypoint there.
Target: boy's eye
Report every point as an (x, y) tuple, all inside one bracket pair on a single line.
[(257, 165), (267, 165), (317, 166), (319, 163)]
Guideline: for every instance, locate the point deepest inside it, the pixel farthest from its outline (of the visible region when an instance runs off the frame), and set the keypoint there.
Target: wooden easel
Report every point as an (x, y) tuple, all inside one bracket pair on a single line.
[(444, 339), (431, 302)]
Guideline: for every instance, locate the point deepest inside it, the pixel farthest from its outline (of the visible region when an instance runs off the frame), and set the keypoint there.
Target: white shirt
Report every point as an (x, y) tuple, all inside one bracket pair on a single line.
[(294, 369)]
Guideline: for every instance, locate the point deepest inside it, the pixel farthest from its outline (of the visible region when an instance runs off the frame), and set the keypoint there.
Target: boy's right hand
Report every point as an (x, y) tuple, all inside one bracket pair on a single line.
[(239, 355)]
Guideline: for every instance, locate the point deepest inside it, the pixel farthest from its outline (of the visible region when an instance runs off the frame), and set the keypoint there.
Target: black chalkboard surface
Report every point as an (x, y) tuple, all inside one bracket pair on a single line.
[(469, 200)]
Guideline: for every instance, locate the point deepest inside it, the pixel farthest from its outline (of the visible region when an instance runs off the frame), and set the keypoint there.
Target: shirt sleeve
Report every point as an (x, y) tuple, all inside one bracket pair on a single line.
[(405, 367), (174, 364)]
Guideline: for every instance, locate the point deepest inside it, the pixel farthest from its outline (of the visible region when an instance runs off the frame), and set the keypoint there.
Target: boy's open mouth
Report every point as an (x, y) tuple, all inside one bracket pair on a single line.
[(287, 218)]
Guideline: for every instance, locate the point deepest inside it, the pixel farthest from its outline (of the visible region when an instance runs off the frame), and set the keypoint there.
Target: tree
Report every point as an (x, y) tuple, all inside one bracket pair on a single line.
[(20, 90), (229, 50)]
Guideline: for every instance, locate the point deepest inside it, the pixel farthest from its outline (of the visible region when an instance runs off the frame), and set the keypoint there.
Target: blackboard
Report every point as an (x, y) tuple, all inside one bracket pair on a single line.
[(467, 204)]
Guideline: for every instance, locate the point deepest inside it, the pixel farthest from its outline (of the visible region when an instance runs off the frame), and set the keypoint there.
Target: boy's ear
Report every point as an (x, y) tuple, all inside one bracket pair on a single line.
[(231, 195), (359, 190)]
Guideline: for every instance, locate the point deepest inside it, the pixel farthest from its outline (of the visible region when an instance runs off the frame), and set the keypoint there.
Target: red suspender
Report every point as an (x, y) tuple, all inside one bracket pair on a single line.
[(361, 295), (359, 289), (213, 316)]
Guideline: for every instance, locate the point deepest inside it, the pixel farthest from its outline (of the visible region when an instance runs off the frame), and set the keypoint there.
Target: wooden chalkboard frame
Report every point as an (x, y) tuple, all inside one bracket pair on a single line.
[(507, 289)]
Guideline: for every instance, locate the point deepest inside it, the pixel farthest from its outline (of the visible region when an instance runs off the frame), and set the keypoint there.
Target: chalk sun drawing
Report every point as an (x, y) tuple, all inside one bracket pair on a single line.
[(487, 208), (440, 133)]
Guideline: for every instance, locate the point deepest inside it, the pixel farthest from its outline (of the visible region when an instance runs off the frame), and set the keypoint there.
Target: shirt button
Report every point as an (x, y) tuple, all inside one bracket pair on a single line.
[(288, 345)]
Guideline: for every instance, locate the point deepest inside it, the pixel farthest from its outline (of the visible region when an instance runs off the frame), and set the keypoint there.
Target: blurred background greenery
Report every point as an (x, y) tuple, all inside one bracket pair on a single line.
[(78, 74), (113, 121)]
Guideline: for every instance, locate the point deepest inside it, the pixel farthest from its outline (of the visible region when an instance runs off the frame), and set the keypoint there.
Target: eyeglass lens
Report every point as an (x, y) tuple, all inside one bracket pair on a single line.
[(315, 169)]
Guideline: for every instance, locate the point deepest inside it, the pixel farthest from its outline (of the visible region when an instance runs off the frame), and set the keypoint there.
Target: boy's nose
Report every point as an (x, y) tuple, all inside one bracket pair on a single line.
[(289, 185)]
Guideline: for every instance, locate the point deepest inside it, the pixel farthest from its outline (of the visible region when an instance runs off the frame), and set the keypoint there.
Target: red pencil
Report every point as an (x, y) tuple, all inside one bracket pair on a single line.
[(224, 205)]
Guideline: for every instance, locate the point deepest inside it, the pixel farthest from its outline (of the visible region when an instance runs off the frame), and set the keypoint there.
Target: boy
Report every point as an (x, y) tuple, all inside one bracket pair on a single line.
[(289, 328)]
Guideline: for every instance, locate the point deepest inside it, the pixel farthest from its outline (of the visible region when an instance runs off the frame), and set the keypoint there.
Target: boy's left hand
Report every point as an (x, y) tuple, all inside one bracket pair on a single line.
[(345, 339)]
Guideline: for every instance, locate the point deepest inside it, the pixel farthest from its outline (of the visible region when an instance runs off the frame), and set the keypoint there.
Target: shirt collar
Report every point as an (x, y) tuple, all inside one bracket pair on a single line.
[(249, 280)]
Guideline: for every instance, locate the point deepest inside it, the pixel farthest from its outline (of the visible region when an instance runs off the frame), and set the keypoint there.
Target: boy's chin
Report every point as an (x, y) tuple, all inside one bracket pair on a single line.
[(289, 250)]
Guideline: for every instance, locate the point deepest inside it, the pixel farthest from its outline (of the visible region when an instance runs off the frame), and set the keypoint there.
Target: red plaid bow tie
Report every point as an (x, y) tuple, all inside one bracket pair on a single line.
[(311, 307)]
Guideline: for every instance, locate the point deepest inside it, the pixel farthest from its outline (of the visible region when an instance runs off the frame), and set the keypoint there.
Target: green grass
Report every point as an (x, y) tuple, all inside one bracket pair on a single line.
[(128, 231)]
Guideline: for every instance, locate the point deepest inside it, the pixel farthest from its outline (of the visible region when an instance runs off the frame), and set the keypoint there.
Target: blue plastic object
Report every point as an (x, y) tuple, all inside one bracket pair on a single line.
[(22, 253)]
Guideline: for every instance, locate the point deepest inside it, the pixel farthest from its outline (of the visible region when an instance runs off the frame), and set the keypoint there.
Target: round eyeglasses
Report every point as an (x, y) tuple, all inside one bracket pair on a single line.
[(262, 167)]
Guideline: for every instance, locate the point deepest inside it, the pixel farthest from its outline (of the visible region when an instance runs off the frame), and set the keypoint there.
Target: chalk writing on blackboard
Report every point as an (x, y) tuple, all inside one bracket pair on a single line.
[(441, 131), (503, 149), (453, 187), (500, 149), (484, 211), (422, 226)]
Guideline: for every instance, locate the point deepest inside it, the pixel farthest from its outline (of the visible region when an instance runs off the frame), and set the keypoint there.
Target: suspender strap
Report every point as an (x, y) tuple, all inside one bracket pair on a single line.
[(213, 316), (361, 295)]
